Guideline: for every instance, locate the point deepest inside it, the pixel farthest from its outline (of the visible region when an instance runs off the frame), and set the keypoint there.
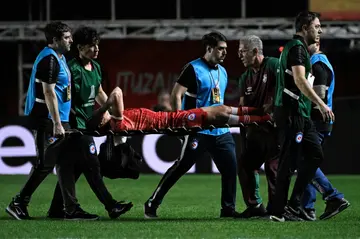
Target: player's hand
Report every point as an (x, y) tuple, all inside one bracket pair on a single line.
[(58, 130), (105, 118), (181, 139), (327, 113), (268, 108)]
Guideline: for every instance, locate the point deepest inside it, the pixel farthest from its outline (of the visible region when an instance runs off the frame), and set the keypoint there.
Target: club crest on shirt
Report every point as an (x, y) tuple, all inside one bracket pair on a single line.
[(52, 140), (191, 116), (264, 78), (299, 137), (194, 144), (248, 90), (92, 148)]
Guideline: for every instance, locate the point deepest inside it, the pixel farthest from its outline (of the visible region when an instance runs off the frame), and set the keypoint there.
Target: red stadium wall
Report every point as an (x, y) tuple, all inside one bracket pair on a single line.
[(143, 68)]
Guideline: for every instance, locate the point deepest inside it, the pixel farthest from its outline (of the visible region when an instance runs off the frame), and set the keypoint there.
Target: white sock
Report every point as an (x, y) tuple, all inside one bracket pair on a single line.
[(233, 120), (234, 110), (119, 140), (117, 118)]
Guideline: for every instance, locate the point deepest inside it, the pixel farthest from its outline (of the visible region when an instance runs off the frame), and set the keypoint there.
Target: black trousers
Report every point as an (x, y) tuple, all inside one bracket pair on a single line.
[(259, 145), (44, 165), (300, 149), (81, 157), (222, 150)]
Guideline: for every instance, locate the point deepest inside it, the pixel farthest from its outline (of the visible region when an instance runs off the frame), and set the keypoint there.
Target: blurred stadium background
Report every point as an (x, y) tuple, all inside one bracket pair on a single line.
[(146, 43)]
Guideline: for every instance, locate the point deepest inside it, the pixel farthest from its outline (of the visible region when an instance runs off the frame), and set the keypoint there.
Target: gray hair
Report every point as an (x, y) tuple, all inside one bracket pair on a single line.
[(251, 42)]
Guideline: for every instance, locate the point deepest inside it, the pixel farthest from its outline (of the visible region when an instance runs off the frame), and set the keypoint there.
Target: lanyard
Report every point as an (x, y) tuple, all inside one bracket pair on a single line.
[(213, 80), (63, 63)]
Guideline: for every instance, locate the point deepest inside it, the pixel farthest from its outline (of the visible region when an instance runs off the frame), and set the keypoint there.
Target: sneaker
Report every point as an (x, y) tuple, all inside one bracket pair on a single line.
[(311, 213), (254, 211), (276, 218), (18, 209), (55, 214), (224, 213), (334, 207), (119, 209), (80, 214), (286, 216), (150, 210), (299, 212)]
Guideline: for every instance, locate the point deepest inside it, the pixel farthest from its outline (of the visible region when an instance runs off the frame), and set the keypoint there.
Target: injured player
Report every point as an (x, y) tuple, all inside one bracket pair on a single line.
[(144, 119)]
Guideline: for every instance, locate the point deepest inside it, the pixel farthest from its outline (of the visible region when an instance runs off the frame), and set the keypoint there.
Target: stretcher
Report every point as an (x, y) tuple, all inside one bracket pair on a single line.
[(168, 131)]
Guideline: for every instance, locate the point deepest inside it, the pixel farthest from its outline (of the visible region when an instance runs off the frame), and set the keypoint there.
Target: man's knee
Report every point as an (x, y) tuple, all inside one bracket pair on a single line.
[(271, 165), (217, 114), (91, 163), (223, 111), (117, 93), (44, 168)]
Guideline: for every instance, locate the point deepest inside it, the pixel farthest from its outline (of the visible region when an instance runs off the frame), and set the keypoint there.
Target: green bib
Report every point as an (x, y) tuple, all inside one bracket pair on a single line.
[(287, 95), (86, 86)]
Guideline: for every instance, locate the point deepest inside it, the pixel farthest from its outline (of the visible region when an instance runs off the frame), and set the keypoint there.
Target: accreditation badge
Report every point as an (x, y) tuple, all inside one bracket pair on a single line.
[(215, 93), (68, 93)]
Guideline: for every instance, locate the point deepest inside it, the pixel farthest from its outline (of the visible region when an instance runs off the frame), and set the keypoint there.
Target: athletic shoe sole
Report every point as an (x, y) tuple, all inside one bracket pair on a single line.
[(12, 213), (82, 219), (126, 209), (277, 219), (341, 208), (148, 216)]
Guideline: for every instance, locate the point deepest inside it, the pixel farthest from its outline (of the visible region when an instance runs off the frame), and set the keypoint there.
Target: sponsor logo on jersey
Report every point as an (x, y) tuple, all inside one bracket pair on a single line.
[(191, 116)]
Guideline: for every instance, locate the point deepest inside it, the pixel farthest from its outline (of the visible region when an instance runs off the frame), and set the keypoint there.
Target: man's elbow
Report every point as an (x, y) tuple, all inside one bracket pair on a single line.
[(299, 81)]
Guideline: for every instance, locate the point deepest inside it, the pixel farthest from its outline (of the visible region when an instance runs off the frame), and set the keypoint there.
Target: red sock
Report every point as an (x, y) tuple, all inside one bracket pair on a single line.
[(247, 119), (244, 110)]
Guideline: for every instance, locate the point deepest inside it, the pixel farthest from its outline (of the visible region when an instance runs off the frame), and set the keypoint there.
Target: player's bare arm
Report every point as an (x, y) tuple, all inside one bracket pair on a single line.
[(241, 101), (116, 102), (268, 108), (52, 105), (305, 88), (176, 96), (101, 97)]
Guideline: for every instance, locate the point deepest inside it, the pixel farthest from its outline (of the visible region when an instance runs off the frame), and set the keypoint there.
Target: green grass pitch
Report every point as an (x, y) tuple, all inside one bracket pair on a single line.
[(190, 210)]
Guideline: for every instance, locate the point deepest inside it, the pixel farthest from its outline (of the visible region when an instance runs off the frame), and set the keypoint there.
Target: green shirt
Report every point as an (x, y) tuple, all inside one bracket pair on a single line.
[(257, 88), (85, 86), (293, 101)]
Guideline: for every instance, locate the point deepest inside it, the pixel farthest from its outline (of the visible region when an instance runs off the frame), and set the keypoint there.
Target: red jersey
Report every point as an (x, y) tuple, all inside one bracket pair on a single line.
[(145, 119)]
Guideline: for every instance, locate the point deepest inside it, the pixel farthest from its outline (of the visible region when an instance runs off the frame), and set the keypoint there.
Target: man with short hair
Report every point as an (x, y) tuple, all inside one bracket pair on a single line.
[(257, 86), (202, 83), (163, 102), (300, 148), (48, 104), (86, 91), (324, 85)]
